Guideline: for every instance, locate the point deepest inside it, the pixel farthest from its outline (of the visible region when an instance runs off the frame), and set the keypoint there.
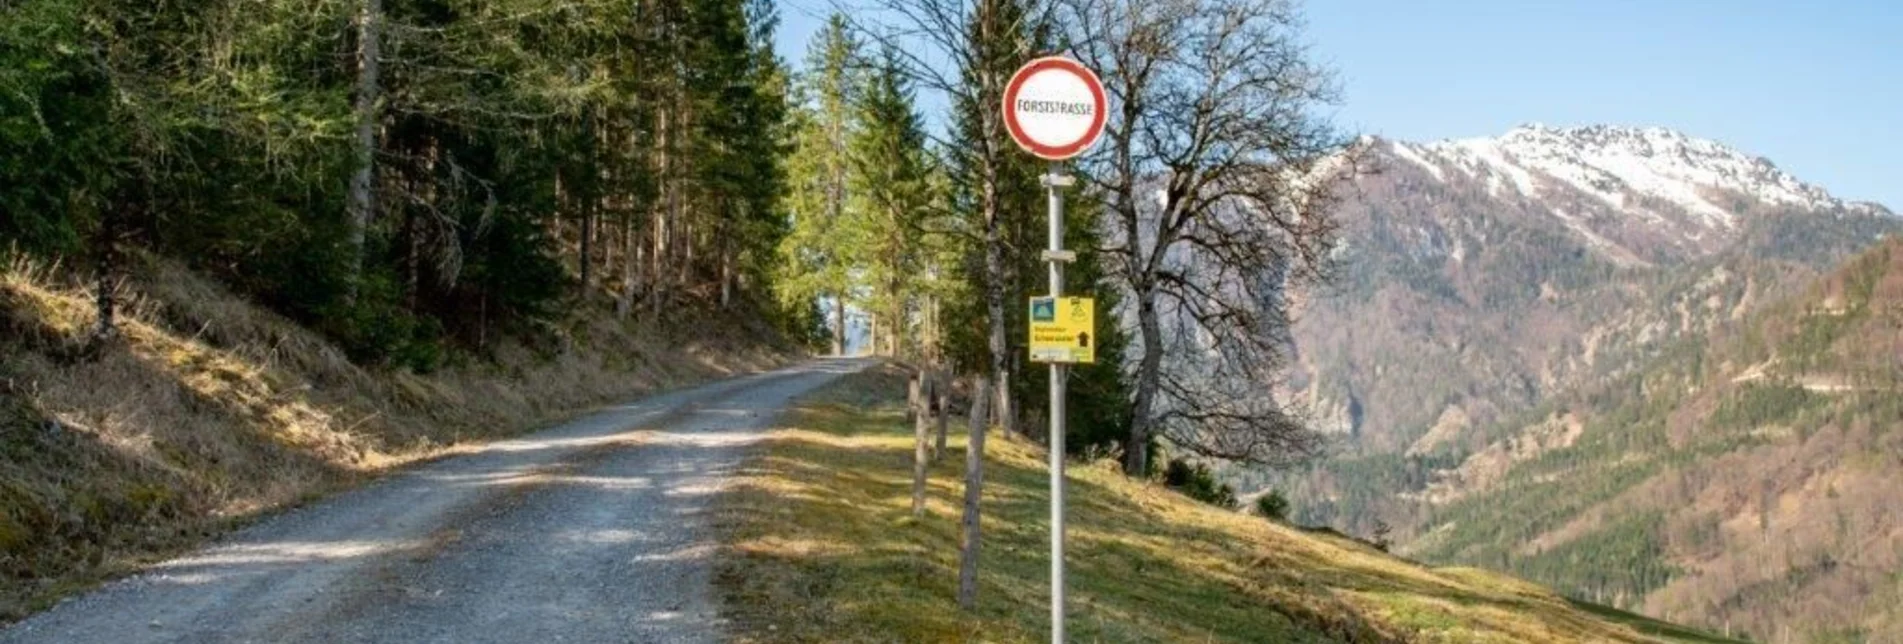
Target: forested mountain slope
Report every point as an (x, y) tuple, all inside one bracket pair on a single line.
[(1746, 480), (1483, 282), (1478, 276)]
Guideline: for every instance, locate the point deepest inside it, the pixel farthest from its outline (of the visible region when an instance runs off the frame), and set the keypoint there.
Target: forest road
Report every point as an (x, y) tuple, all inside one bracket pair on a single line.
[(596, 530)]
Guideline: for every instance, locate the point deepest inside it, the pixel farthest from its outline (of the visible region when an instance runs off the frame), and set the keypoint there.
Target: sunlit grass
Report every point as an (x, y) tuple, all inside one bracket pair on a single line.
[(825, 549)]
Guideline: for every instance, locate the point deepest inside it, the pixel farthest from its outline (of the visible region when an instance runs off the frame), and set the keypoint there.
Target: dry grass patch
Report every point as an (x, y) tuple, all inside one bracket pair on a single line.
[(824, 549)]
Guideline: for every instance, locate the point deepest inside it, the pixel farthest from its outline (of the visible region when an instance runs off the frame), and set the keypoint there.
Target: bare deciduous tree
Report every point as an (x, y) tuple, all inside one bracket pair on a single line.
[(1217, 174)]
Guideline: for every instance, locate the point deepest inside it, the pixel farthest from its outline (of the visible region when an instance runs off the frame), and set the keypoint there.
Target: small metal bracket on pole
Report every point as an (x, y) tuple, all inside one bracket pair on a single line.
[(1057, 257)]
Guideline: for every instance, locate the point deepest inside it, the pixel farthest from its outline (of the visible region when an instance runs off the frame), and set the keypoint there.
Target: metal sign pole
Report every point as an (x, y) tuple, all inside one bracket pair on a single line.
[(1057, 120), (1055, 183)]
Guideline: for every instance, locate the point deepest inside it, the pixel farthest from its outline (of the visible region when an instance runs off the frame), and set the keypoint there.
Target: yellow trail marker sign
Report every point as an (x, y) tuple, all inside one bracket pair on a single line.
[(1063, 330)]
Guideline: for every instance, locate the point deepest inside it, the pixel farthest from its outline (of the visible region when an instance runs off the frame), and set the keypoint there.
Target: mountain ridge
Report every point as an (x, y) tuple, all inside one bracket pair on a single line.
[(1661, 176), (1468, 235), (1724, 160), (1480, 279)]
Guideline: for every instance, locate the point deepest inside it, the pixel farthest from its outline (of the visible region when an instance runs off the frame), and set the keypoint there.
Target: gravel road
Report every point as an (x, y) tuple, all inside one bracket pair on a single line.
[(591, 531)]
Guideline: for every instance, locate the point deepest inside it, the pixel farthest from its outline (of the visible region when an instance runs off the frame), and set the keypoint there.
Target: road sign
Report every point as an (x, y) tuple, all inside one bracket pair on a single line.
[(1054, 108), (1062, 330)]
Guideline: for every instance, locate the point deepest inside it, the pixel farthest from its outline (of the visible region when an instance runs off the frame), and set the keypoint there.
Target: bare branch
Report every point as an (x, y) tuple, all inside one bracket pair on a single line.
[(1217, 174)]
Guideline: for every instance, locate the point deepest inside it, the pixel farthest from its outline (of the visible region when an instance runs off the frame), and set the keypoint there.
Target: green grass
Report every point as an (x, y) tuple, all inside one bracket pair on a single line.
[(1653, 627), (823, 548)]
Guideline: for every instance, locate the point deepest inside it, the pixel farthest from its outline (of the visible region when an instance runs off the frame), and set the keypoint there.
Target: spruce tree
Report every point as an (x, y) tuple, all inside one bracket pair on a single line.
[(817, 253), (511, 140), (892, 185)]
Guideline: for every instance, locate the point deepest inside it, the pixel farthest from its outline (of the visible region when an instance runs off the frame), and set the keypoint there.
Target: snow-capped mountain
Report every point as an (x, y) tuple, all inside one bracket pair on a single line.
[(1565, 326), (1477, 275), (1625, 190)]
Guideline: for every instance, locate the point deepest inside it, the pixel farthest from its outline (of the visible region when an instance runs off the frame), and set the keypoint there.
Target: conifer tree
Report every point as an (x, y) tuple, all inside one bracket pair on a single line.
[(817, 252), (892, 185), (507, 142)]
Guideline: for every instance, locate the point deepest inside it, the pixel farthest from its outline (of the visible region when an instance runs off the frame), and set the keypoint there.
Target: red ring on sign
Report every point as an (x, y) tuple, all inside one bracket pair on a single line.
[(1055, 152)]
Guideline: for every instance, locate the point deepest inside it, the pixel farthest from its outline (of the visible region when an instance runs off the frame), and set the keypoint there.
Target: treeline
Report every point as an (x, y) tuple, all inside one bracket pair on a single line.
[(404, 174)]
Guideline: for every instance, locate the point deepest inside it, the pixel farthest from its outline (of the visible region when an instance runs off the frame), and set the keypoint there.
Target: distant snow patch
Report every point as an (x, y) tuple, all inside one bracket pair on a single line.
[(1407, 152)]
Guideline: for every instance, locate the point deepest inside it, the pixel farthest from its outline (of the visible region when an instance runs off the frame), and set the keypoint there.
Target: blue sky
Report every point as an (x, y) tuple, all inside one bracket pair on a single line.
[(1817, 87)]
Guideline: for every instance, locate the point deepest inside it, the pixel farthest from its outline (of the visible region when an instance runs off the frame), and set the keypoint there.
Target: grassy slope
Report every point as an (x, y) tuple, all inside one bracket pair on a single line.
[(212, 411), (825, 549), (1745, 481)]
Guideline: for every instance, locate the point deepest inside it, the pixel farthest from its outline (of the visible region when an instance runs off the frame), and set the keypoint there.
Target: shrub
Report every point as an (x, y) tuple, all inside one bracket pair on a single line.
[(1272, 506), (1197, 482)]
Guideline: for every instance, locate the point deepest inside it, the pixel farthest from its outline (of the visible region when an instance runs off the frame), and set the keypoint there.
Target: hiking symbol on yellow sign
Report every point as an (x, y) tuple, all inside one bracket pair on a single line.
[(1061, 330)]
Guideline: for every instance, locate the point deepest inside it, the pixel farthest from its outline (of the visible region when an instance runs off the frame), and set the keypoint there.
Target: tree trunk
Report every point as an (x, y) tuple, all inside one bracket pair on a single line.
[(587, 247), (928, 329), (685, 281), (726, 272), (938, 330), (921, 419), (1136, 451), (105, 297), (994, 304), (895, 289), (361, 201), (412, 259), (1000, 358), (663, 221), (677, 196), (588, 206), (940, 399), (839, 325), (992, 157), (968, 541), (632, 259), (895, 331)]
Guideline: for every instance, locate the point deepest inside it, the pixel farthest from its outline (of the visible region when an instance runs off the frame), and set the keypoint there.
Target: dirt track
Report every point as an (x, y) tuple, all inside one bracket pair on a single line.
[(591, 531)]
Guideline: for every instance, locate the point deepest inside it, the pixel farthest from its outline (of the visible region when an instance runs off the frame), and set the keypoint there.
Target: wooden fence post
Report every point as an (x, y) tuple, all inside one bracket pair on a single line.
[(974, 490)]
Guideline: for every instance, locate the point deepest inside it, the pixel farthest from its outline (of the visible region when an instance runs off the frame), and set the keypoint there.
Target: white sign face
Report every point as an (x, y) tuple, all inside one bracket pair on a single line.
[(1054, 108)]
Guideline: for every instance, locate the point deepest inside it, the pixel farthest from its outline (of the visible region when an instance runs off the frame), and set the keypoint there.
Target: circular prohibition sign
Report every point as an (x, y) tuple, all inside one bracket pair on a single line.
[(1054, 108)]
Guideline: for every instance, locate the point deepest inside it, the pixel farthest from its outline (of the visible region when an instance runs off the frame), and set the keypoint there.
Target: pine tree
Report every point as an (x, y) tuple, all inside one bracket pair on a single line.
[(818, 251), (892, 185)]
